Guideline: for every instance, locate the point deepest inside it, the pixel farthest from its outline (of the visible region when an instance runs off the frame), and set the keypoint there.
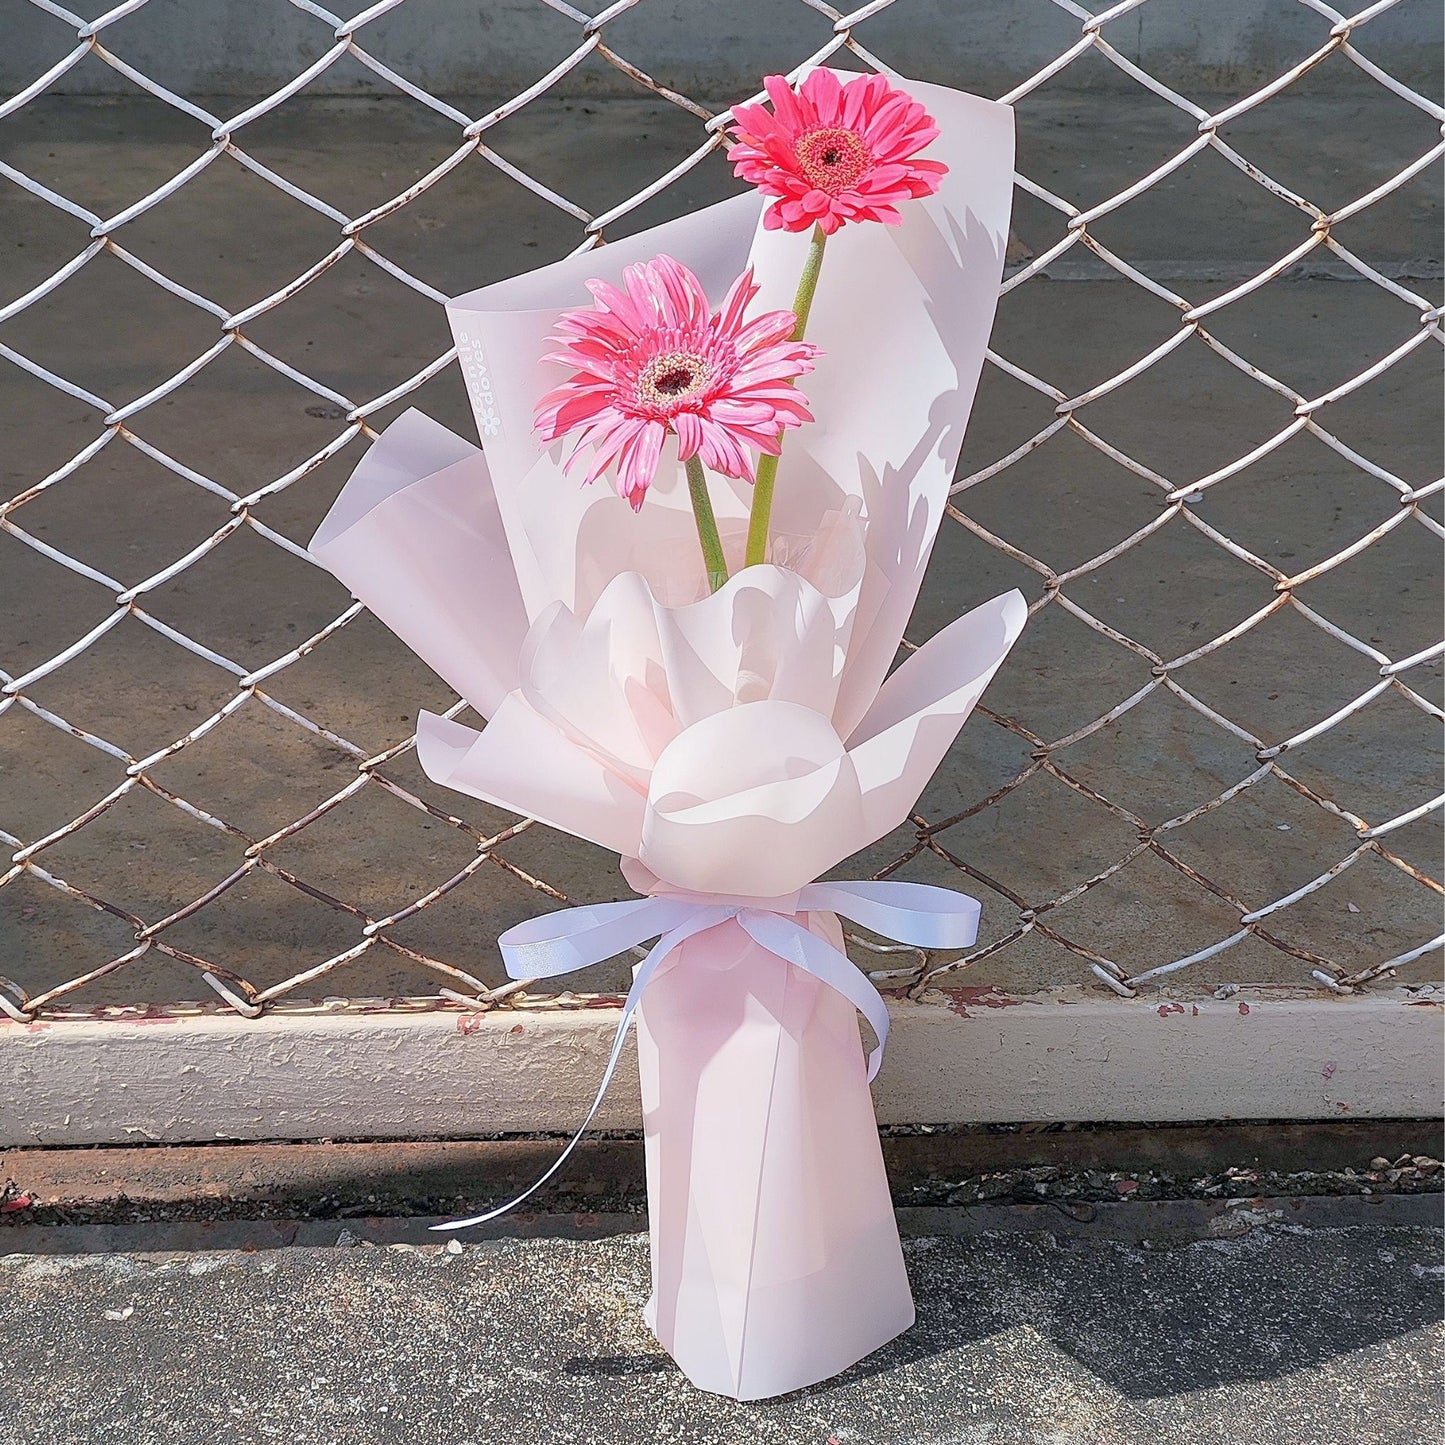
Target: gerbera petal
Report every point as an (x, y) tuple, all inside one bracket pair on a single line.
[(607, 448), (856, 96), (689, 434), (907, 143), (776, 363), (646, 285), (739, 296), (569, 410), (721, 451), (785, 101), (765, 330), (737, 413), (674, 292), (639, 464), (749, 122), (609, 298), (824, 91)]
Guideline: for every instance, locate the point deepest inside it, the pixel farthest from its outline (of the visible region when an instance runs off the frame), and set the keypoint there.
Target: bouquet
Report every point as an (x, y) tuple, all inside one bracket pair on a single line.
[(674, 580)]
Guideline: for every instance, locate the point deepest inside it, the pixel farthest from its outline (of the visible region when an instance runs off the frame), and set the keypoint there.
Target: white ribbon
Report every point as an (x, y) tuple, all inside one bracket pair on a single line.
[(575, 938)]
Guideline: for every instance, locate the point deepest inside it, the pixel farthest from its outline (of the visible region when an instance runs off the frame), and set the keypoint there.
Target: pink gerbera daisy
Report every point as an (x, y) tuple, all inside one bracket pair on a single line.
[(834, 152), (654, 357)]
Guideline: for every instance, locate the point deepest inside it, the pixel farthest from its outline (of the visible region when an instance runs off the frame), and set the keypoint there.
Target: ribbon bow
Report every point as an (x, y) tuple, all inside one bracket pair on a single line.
[(576, 938)]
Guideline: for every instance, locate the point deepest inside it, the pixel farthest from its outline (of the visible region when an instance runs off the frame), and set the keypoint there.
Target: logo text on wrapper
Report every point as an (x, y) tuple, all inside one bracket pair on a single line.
[(479, 384)]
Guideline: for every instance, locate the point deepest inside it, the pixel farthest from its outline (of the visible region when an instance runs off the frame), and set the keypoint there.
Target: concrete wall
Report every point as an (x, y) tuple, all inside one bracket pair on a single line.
[(706, 48)]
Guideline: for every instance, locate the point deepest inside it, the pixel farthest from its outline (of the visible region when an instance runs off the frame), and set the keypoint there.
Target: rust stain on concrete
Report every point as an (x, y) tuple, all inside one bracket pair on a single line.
[(960, 1000)]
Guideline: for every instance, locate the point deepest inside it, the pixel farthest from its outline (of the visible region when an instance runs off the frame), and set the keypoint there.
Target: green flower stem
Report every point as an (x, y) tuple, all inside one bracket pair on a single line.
[(762, 509), (707, 533)]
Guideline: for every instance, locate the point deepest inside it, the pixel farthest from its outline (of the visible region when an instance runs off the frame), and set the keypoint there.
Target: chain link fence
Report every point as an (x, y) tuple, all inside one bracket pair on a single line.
[(1202, 446)]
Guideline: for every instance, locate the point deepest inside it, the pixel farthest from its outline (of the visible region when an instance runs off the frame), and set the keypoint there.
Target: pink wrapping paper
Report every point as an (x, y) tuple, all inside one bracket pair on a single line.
[(765, 1065), (731, 747)]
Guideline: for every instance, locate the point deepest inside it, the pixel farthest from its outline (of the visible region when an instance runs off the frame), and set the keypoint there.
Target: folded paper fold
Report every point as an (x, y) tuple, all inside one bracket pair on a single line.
[(756, 798), (416, 535)]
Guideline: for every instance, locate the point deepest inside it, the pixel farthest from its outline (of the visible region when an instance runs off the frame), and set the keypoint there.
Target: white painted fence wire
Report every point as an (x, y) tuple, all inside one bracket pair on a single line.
[(1043, 762)]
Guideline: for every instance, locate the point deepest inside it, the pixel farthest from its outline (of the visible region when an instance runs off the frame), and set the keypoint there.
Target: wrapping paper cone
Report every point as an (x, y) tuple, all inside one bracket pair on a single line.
[(731, 748), (775, 1256)]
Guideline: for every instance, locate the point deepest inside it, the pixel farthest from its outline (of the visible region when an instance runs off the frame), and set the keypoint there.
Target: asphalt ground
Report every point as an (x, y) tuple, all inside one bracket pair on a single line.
[(1263, 1322)]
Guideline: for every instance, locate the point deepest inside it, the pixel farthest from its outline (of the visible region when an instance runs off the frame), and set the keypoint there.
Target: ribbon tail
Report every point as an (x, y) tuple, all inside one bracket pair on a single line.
[(796, 945), (573, 938), (916, 913), (643, 977)]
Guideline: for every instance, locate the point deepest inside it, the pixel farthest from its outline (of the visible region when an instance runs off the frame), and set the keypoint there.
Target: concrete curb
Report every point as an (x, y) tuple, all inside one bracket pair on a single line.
[(956, 1056)]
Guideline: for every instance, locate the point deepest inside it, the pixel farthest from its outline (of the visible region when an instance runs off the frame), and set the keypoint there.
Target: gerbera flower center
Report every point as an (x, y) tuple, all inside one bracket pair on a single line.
[(672, 378), (833, 159)]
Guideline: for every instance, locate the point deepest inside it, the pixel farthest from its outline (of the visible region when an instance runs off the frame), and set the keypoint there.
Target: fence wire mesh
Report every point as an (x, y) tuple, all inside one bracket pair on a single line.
[(1194, 851)]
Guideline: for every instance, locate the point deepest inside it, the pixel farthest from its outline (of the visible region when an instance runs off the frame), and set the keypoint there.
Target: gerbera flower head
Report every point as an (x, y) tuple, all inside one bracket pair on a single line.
[(833, 152), (653, 357)]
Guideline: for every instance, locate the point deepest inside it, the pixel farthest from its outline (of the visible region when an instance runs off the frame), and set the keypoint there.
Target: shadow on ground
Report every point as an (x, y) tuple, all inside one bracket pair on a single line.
[(1316, 1324)]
